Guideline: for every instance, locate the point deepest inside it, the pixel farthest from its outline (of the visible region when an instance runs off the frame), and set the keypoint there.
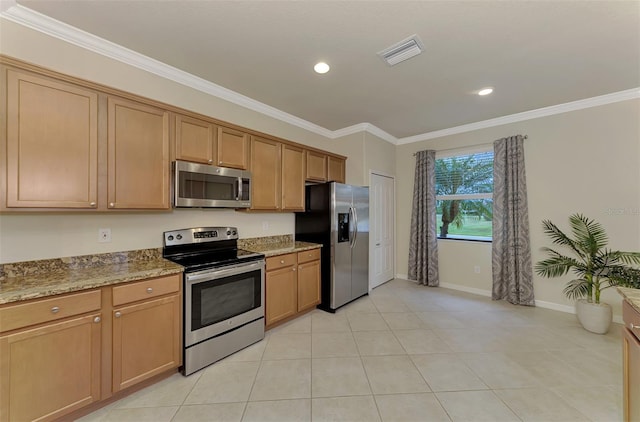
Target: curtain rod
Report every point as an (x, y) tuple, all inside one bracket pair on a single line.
[(479, 145)]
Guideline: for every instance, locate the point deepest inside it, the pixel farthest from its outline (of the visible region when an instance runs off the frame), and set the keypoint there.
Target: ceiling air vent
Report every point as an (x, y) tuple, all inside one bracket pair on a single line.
[(402, 51)]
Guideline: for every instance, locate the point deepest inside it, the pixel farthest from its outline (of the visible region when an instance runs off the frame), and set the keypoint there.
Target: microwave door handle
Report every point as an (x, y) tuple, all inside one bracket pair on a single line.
[(238, 184)]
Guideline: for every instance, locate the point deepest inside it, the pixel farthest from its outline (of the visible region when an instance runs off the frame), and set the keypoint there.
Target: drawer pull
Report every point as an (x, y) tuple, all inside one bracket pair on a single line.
[(149, 290), (55, 310), (93, 204), (294, 268), (282, 261), (97, 319), (634, 327), (118, 314)]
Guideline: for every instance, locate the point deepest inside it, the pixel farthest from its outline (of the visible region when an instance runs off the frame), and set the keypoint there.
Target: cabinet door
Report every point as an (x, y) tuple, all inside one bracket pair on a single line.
[(233, 148), (146, 340), (280, 294), (292, 178), (631, 375), (195, 140), (335, 170), (316, 166), (52, 143), (138, 155), (265, 172), (308, 285), (50, 371)]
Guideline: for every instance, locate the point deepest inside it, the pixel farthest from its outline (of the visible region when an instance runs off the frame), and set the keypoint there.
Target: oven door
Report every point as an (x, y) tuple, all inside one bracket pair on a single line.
[(222, 299)]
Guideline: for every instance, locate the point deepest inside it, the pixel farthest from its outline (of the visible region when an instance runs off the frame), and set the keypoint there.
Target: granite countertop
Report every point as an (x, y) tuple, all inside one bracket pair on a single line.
[(275, 245), (48, 277), (632, 296), (273, 249), (36, 279)]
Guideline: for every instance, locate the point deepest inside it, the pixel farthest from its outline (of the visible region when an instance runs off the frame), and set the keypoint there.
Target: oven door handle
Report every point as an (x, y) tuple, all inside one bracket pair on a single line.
[(223, 272)]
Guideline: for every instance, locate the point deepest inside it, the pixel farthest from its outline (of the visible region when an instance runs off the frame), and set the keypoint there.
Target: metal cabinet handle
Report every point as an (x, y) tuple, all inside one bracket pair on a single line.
[(282, 261), (634, 327), (219, 162), (210, 161), (92, 204), (97, 319), (55, 310), (111, 204), (118, 314), (149, 290), (294, 268)]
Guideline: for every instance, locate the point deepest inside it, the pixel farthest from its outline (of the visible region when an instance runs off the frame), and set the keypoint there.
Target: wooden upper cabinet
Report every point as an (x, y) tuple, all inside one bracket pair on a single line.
[(233, 148), (195, 140), (266, 173), (52, 143), (336, 169), (316, 166), (138, 155), (293, 170)]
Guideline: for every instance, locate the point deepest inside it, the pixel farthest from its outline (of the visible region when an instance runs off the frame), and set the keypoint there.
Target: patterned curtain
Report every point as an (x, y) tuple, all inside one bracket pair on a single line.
[(423, 246), (511, 252)]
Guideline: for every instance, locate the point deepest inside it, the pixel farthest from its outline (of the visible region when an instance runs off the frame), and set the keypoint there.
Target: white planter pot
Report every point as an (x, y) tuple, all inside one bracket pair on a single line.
[(594, 317)]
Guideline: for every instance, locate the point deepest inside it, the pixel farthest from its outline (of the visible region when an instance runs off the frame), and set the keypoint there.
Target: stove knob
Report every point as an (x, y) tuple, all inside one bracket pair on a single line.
[(170, 237), (233, 232), (179, 237), (228, 232)]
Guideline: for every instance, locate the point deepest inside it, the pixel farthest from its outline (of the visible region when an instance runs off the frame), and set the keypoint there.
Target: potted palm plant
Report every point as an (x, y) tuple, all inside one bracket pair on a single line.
[(596, 267)]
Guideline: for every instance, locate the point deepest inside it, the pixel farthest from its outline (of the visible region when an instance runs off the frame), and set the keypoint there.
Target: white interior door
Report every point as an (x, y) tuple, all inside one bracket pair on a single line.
[(382, 232)]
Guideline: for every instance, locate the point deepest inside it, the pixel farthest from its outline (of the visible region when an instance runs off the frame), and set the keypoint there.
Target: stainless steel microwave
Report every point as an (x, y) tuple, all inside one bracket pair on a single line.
[(204, 186)]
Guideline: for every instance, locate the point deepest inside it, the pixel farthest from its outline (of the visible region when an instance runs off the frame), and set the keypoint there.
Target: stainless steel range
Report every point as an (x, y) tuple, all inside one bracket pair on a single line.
[(223, 293)]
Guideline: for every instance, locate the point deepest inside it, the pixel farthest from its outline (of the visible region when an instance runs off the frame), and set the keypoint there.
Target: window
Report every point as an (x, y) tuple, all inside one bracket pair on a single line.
[(464, 195)]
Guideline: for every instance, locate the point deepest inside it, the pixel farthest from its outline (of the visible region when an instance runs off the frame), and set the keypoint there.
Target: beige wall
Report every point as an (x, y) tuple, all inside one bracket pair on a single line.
[(585, 161), (51, 235)]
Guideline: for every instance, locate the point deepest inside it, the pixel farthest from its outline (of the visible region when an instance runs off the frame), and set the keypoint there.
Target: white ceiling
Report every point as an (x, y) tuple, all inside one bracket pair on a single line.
[(534, 53)]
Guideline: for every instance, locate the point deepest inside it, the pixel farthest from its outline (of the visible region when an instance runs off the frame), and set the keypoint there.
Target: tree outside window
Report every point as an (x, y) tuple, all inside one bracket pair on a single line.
[(464, 196)]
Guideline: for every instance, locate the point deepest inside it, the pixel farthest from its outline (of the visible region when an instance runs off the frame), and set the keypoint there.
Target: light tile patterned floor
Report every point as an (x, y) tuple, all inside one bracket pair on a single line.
[(403, 353)]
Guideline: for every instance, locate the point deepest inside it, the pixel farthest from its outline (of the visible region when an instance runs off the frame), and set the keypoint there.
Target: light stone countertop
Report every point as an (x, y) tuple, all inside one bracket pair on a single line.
[(632, 296), (37, 279), (280, 248)]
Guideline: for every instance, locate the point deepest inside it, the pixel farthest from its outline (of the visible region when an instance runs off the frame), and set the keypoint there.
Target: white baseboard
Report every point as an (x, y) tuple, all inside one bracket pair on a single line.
[(539, 303)]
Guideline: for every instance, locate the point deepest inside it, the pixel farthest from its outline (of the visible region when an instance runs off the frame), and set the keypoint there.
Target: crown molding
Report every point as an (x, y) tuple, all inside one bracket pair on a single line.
[(14, 12), (39, 22), (614, 97)]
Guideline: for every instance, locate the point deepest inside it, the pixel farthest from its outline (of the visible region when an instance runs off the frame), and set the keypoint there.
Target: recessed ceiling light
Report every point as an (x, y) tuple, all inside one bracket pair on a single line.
[(321, 67), (485, 91)]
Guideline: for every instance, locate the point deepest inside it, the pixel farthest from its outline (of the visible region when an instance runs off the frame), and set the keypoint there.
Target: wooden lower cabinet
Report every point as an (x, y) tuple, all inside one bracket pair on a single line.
[(280, 288), (146, 330), (631, 363), (62, 353), (146, 340), (292, 285), (50, 371), (308, 285)]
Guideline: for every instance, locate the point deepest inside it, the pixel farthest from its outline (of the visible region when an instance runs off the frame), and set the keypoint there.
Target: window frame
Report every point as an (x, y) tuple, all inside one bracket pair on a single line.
[(460, 152)]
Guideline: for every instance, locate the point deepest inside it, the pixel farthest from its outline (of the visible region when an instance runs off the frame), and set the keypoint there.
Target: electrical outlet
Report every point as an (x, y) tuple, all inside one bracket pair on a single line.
[(476, 269), (265, 226), (104, 235)]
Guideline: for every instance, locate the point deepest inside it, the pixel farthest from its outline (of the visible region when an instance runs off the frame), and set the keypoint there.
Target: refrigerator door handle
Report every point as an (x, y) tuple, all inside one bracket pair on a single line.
[(355, 226)]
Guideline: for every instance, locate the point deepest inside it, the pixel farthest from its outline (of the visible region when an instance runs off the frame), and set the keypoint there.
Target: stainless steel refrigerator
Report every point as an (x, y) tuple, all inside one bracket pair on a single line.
[(337, 216)]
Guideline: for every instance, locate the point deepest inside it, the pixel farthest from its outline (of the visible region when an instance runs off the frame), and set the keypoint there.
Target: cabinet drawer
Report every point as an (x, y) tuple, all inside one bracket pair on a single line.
[(310, 255), (145, 289), (631, 316), (45, 310), (280, 261)]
